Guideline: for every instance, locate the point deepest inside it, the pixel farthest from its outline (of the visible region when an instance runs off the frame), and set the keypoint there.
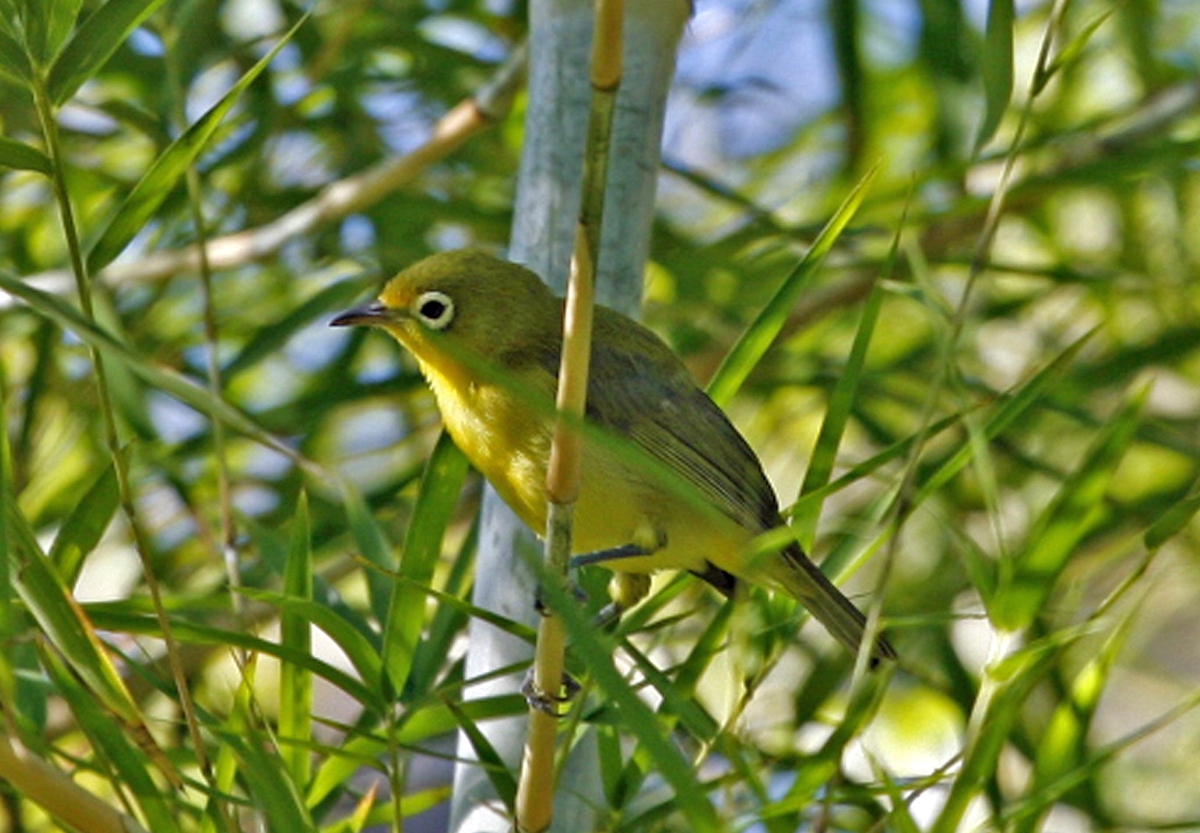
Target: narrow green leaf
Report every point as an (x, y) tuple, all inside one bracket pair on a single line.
[(841, 402), (61, 18), (295, 682), (996, 66), (9, 616), (498, 774), (1070, 51), (167, 169), (165, 379), (117, 618), (14, 63), (357, 647), (1013, 406), (1170, 523), (46, 24), (440, 486), (996, 714), (93, 43), (1063, 748), (225, 768), (418, 727), (86, 524), (272, 790), (373, 546), (758, 337), (23, 157), (596, 650), (67, 627), (1072, 513), (125, 754)]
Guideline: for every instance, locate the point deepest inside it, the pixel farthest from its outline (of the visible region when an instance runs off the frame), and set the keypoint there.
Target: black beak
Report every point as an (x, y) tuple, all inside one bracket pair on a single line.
[(370, 314)]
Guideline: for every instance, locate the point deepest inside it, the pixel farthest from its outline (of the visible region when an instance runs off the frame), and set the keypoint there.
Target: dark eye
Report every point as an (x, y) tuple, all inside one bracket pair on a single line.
[(435, 309)]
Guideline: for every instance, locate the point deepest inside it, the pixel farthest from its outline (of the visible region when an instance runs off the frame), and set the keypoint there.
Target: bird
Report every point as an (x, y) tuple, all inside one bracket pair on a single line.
[(668, 482)]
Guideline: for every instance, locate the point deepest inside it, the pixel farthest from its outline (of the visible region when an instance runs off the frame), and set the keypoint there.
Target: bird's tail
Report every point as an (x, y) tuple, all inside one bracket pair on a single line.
[(817, 593)]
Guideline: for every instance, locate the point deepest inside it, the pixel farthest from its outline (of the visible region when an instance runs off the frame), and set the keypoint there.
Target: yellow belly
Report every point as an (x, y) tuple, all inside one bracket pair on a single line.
[(509, 443)]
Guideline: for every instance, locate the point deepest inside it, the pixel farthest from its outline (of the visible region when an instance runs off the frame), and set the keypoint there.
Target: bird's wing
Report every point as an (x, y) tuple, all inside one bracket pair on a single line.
[(638, 389)]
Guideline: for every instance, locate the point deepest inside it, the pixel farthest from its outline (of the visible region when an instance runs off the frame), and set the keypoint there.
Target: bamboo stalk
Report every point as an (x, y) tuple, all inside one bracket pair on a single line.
[(535, 791), (55, 792)]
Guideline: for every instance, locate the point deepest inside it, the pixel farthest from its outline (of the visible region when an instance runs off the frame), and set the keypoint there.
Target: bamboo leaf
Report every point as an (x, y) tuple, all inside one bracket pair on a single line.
[(67, 627), (373, 546), (272, 790), (295, 683), (357, 647), (14, 62), (440, 486), (167, 169), (502, 780), (165, 379), (118, 618), (596, 651), (1063, 748), (1171, 522), (996, 65), (125, 755), (837, 414), (87, 523), (93, 43), (1072, 513), (759, 336), (23, 157), (1004, 416)]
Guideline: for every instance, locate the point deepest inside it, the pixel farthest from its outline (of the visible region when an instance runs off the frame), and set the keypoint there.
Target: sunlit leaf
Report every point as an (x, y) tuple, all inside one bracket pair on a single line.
[(996, 65), (93, 43), (167, 169)]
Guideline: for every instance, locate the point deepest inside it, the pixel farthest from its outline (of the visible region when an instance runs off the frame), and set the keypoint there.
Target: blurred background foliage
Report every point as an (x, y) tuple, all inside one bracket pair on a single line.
[(1017, 471)]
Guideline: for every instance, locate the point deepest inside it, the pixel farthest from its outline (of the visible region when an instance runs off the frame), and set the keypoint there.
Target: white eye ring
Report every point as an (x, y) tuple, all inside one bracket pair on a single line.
[(434, 309)]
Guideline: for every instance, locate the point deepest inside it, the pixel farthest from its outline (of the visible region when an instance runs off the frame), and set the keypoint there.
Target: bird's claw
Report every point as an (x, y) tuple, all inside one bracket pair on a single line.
[(554, 705)]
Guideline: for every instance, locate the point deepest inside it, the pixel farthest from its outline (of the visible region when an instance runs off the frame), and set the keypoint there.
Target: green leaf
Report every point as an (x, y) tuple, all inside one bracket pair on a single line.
[(125, 755), (295, 681), (93, 43), (996, 65), (759, 336), (596, 650), (1070, 51), (167, 169), (86, 524), (46, 24), (440, 486), (996, 710), (167, 380), (497, 772), (1074, 511), (65, 624), (1012, 407), (14, 63), (116, 617), (1171, 522), (1063, 748), (23, 157), (357, 647), (841, 402), (373, 546), (272, 790), (10, 617)]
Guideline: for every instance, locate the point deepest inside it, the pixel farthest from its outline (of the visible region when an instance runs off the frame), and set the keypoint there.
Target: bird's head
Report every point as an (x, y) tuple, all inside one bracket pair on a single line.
[(462, 306)]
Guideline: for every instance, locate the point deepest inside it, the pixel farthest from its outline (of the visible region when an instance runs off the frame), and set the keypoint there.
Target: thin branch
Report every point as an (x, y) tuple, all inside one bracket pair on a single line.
[(535, 791), (336, 201)]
